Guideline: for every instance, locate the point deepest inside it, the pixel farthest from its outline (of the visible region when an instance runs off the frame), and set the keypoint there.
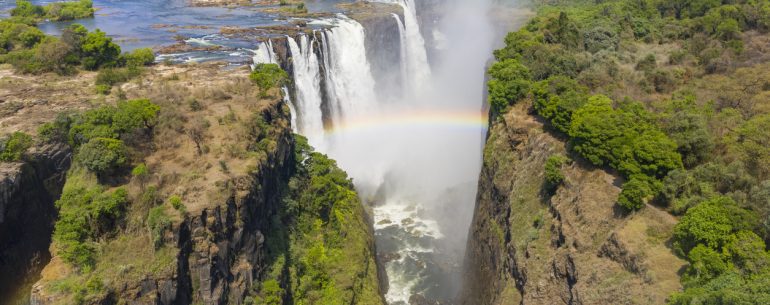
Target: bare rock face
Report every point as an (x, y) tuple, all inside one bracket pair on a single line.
[(27, 214), (528, 246)]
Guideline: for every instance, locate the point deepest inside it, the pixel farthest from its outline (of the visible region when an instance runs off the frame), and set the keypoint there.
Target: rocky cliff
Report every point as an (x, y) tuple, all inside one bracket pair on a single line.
[(28, 190), (532, 245), (221, 206)]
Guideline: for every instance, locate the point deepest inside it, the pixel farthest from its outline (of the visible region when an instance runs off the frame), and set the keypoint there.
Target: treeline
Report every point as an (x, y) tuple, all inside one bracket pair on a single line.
[(56, 11), (29, 50), (631, 84)]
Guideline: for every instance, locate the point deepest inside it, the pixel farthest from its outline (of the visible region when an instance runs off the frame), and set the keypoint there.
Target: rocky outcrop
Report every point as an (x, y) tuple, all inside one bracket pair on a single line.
[(219, 249), (28, 191), (572, 246)]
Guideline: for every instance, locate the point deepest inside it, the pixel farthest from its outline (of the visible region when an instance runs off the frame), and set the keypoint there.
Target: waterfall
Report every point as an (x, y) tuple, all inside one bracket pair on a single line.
[(350, 84), (265, 54), (402, 55), (307, 83), (417, 59)]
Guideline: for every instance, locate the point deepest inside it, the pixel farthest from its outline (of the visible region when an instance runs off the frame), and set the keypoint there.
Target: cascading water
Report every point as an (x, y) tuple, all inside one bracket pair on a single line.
[(349, 79), (416, 159), (402, 56), (417, 57), (265, 54), (307, 82)]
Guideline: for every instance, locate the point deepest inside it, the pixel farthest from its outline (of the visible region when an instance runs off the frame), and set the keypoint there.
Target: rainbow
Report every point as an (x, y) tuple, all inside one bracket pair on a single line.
[(471, 121)]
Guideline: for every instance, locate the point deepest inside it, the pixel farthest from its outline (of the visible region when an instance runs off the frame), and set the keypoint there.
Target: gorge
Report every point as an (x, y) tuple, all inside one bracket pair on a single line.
[(399, 152)]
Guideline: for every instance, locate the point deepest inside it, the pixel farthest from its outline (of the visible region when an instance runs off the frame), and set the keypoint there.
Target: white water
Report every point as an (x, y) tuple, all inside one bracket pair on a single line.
[(349, 75), (403, 55), (307, 81), (417, 59), (265, 54), (421, 176)]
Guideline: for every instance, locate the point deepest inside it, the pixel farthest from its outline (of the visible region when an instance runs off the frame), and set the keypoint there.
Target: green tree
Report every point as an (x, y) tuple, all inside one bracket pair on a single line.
[(102, 155), (268, 76), (637, 192), (140, 57), (14, 147), (553, 171), (99, 51), (25, 8), (136, 114), (509, 82), (754, 144)]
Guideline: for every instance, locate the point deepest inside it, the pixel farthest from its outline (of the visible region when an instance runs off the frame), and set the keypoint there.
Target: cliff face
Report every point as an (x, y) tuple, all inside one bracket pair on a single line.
[(527, 246), (216, 248), (27, 214)]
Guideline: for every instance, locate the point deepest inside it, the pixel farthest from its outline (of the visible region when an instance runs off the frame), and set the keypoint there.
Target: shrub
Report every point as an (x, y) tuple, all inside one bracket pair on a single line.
[(25, 8), (157, 223), (56, 131), (109, 77), (84, 215), (754, 143), (711, 224), (647, 63), (14, 147), (553, 171), (557, 98), (509, 82), (102, 155), (268, 76), (62, 11), (176, 202), (99, 51), (636, 193), (140, 57)]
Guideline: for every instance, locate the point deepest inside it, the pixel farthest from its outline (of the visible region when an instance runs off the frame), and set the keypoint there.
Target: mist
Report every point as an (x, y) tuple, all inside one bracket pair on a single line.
[(417, 158)]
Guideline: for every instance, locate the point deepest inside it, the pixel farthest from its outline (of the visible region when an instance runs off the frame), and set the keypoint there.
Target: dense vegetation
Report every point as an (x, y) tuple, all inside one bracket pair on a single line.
[(674, 97), (31, 51), (87, 209), (323, 257), (56, 11)]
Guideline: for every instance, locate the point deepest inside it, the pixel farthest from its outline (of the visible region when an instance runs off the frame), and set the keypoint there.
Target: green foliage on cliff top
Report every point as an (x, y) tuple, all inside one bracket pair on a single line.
[(13, 147), (325, 255), (268, 76), (673, 95)]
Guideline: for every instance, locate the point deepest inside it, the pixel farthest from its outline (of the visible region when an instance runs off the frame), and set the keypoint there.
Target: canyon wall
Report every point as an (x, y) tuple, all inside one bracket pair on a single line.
[(28, 190), (571, 245)]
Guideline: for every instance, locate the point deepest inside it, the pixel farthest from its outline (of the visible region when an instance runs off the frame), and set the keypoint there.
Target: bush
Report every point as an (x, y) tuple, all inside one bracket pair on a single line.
[(102, 155), (99, 51), (25, 8), (268, 76), (140, 57), (13, 148), (84, 215), (157, 223), (636, 193), (711, 224), (56, 131), (62, 11), (553, 171), (509, 82), (176, 203)]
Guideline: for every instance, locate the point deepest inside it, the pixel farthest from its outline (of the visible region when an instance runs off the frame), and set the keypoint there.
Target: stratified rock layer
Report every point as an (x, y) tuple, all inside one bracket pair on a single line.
[(527, 246)]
